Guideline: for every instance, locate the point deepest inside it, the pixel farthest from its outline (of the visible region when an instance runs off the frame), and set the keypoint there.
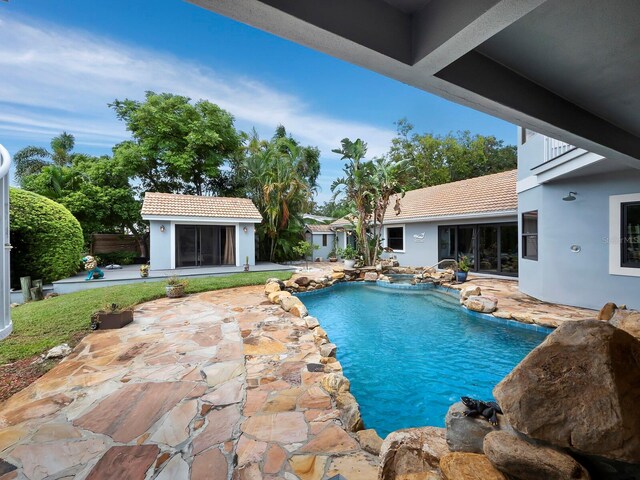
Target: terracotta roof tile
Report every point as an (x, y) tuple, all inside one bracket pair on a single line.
[(319, 228), (169, 204), (490, 193)]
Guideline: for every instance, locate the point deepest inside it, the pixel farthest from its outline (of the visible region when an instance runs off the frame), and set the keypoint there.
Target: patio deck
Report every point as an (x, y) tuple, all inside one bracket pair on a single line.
[(131, 274)]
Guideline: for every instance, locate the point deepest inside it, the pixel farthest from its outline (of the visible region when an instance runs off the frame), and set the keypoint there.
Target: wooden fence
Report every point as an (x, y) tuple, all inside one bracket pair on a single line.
[(113, 242)]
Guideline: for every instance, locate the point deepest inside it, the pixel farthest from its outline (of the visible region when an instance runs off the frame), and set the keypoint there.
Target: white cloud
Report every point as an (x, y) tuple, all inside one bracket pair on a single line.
[(56, 78)]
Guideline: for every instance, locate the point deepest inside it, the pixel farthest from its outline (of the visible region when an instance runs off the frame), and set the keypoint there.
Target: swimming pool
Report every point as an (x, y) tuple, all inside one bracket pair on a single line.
[(411, 354)]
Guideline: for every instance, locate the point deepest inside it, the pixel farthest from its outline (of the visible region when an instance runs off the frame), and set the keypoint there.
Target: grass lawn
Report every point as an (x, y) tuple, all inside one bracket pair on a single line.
[(39, 326)]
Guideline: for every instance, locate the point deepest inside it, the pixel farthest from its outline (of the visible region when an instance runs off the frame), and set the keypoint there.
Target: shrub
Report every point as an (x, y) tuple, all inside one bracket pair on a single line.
[(47, 240), (119, 258)]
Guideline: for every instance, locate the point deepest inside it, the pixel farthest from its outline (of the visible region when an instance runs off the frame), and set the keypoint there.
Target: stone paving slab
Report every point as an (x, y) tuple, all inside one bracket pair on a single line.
[(221, 385)]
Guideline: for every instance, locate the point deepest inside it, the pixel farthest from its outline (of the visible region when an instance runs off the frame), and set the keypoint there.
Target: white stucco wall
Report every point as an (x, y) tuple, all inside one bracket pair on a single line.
[(322, 251)]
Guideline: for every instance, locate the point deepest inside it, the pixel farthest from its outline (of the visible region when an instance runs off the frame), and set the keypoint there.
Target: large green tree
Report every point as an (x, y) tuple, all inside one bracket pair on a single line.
[(96, 190), (31, 160), (177, 146), (448, 158)]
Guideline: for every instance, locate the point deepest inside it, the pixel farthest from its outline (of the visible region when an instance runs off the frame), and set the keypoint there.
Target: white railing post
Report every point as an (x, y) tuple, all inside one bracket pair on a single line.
[(5, 247), (554, 148)]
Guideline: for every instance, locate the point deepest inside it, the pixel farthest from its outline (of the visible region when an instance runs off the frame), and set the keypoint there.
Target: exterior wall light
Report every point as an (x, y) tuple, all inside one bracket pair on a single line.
[(245, 229), (576, 248), (162, 228), (571, 197)]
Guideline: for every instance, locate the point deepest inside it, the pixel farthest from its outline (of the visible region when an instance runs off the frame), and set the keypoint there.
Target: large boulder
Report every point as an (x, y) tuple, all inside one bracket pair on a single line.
[(482, 303), (370, 441), (271, 287), (607, 311), (466, 434), (468, 466), (413, 453), (466, 292), (303, 281), (579, 389), (370, 277), (523, 460), (287, 303), (627, 320)]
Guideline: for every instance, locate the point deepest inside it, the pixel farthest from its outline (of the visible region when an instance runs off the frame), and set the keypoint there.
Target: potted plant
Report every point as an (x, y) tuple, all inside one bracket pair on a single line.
[(333, 257), (246, 263), (463, 269), (349, 255), (144, 270), (110, 317), (175, 287)]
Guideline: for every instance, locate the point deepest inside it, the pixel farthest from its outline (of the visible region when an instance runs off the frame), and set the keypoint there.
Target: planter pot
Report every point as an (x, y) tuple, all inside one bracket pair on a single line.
[(461, 276), (111, 320), (174, 291), (333, 259), (349, 263), (246, 267), (144, 274)]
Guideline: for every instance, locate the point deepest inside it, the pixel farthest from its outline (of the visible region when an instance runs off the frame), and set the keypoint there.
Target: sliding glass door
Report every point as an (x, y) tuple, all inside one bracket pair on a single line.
[(205, 245), (489, 248)]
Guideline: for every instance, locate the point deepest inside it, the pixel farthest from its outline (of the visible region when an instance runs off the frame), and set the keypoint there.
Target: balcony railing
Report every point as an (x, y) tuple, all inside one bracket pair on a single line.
[(5, 310), (554, 148)]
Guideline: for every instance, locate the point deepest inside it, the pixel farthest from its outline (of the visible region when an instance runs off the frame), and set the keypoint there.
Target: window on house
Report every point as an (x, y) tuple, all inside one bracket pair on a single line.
[(530, 235), (395, 238), (324, 240), (630, 235)]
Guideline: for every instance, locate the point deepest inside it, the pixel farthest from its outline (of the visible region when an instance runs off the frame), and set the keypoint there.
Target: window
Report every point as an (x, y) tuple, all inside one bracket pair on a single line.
[(324, 240), (530, 235), (395, 238), (630, 235)]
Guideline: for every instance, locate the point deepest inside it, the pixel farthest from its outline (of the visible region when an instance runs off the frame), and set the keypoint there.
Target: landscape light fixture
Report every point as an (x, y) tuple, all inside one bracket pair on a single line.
[(571, 197), (162, 228)]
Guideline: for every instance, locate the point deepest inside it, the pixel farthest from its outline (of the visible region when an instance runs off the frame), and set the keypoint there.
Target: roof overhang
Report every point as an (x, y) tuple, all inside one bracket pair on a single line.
[(446, 218), (565, 68), (193, 219)]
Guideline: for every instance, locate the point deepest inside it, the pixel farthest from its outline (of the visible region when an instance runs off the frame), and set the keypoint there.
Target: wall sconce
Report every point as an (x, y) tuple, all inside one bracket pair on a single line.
[(571, 197), (245, 229), (162, 228)]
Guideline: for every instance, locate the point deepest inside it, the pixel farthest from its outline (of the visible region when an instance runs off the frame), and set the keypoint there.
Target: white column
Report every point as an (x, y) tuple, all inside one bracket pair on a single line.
[(5, 247)]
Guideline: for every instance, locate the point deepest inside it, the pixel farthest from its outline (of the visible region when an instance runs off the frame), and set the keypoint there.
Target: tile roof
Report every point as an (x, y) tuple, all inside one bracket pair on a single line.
[(169, 204), (319, 228), (342, 222), (490, 193)]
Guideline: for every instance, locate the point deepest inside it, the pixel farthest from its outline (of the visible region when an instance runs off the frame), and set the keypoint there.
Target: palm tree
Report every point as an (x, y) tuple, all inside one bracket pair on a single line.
[(31, 160)]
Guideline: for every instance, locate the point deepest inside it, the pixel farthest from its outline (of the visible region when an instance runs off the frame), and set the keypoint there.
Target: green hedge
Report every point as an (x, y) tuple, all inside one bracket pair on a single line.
[(46, 238), (119, 258)]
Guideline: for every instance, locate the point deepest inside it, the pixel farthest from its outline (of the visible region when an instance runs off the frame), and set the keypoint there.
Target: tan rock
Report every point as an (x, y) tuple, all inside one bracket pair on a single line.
[(353, 467), (315, 398), (263, 346), (504, 314), (299, 310), (332, 439), (303, 281), (337, 275), (522, 460), (320, 336), (466, 433), (249, 451), (311, 322), (523, 317), (482, 303), (270, 288), (328, 350), (276, 296), (283, 400), (469, 291), (587, 360), (607, 311), (370, 441), (287, 303), (308, 467), (221, 372), (468, 466), (335, 383), (370, 277), (627, 320), (412, 453)]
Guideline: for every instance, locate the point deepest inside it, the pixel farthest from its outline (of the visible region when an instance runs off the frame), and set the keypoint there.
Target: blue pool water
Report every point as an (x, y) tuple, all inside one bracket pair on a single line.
[(410, 354)]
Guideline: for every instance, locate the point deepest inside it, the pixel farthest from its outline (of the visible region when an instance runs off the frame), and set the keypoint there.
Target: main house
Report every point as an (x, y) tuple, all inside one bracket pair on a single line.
[(475, 218), (579, 217), (198, 231)]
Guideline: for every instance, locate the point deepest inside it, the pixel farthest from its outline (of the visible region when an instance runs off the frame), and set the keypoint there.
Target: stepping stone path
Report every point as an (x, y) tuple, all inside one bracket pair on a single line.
[(214, 386)]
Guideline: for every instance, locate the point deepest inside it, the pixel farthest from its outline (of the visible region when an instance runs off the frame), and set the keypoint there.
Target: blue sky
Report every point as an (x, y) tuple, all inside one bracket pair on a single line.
[(63, 61)]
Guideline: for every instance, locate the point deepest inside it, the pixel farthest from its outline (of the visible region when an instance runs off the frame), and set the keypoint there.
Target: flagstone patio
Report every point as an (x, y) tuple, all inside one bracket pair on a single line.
[(214, 386)]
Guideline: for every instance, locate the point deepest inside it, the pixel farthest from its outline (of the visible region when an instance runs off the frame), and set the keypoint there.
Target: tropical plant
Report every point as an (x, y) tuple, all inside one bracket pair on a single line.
[(369, 186), (305, 249), (31, 160), (347, 253), (463, 264), (47, 240), (280, 192)]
